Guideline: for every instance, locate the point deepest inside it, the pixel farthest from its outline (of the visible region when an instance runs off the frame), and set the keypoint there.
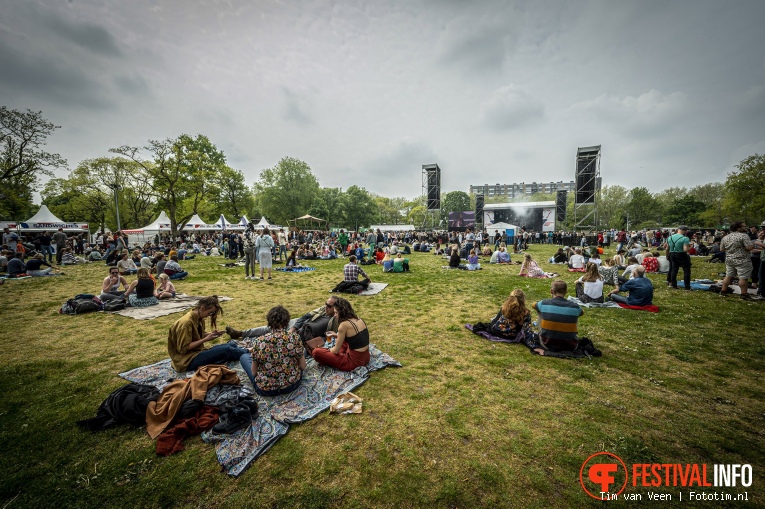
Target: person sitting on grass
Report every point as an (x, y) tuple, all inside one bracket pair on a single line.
[(530, 268), (513, 317), (639, 287), (629, 270), (166, 288), (126, 265), (454, 260), (292, 262), (140, 293), (486, 250), (387, 263), (68, 258), (351, 349), (559, 257), (186, 339), (174, 270), (16, 265), (609, 272), (650, 262), (576, 261), (502, 256), (400, 264), (619, 260), (277, 361), (34, 267), (558, 318), (473, 261), (110, 288), (589, 287)]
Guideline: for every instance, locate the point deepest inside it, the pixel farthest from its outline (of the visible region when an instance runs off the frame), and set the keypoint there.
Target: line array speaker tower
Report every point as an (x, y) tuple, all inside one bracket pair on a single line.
[(560, 206), (587, 173), (431, 183), (479, 209)]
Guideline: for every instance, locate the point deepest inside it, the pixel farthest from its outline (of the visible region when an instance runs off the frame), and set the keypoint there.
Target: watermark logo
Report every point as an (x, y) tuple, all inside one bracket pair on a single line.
[(603, 475)]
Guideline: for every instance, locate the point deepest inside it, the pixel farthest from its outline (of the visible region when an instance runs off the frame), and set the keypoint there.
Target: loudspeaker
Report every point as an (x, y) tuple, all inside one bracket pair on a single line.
[(585, 181), (560, 206), (479, 209), (434, 188)]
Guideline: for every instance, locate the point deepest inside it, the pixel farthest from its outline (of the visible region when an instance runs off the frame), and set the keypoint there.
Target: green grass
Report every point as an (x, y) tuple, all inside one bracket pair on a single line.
[(465, 422)]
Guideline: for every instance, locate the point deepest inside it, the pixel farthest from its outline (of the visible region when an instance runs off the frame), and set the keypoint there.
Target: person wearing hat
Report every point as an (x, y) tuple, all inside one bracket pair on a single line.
[(678, 245)]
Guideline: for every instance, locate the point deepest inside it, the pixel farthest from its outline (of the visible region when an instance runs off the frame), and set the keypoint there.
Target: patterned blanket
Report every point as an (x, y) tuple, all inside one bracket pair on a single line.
[(294, 269), (607, 304), (320, 385)]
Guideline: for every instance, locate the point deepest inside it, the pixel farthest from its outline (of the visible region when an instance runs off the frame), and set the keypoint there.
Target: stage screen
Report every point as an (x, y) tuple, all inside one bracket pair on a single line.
[(460, 221)]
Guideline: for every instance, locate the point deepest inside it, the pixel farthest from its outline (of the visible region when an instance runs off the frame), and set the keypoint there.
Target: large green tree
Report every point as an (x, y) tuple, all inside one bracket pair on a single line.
[(234, 198), (711, 195), (181, 172), (329, 204), (454, 201), (642, 208), (745, 190), (287, 190), (359, 207), (23, 134), (611, 206), (685, 210)]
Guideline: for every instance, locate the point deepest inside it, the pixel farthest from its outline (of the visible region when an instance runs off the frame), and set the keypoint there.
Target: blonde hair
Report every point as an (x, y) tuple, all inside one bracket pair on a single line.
[(514, 307), (163, 277)]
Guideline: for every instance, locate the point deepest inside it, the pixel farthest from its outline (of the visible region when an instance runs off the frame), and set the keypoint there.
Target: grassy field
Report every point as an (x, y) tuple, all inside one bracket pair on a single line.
[(464, 423)]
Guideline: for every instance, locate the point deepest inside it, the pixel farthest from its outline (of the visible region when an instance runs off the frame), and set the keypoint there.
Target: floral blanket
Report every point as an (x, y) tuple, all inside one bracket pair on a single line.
[(320, 385)]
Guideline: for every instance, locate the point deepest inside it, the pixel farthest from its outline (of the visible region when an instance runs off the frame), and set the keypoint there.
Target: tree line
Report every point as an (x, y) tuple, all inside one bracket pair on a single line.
[(189, 175)]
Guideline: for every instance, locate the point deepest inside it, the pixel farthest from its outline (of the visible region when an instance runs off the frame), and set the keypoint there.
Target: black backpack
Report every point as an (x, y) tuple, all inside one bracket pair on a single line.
[(81, 304)]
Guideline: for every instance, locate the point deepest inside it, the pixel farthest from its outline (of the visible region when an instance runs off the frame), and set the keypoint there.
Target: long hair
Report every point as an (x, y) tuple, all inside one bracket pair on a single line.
[(591, 273), (514, 307), (210, 302), (344, 310)]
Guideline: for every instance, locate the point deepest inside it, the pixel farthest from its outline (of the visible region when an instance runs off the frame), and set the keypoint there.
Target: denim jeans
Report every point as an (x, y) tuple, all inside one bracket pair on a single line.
[(47, 251), (219, 354), (179, 275)]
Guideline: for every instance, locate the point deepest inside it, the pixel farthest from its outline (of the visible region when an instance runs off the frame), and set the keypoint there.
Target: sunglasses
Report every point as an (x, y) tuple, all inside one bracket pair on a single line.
[(329, 305)]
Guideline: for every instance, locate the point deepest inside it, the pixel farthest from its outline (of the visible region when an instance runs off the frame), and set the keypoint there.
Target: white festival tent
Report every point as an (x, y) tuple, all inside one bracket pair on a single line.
[(225, 224), (510, 229), (196, 224), (243, 221), (159, 225), (45, 220)]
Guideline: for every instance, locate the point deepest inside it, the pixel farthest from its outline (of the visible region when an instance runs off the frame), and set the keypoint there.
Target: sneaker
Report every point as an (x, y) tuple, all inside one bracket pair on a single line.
[(246, 277), (756, 297), (746, 296), (269, 277)]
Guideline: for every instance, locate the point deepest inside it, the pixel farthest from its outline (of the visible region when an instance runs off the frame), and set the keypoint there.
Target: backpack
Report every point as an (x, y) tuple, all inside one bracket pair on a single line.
[(83, 303), (114, 305)]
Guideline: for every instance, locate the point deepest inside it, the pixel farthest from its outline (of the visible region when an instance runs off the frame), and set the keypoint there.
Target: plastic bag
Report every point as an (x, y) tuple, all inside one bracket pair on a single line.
[(347, 403)]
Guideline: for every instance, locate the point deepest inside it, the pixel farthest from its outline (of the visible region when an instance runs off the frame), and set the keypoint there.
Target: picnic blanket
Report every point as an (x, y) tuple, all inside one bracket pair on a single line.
[(233, 264), (497, 339), (165, 307), (577, 270), (374, 288), (607, 304), (294, 269), (15, 277), (651, 308), (697, 286), (319, 386)]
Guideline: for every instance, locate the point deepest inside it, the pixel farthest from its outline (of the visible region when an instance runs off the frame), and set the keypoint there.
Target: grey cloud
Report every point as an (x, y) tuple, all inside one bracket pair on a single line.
[(295, 108), (511, 108), (43, 76), (86, 35), (133, 85)]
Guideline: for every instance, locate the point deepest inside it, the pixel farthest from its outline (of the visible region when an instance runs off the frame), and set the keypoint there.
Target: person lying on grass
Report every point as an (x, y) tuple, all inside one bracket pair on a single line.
[(312, 325), (277, 361), (186, 338), (512, 317), (351, 348)]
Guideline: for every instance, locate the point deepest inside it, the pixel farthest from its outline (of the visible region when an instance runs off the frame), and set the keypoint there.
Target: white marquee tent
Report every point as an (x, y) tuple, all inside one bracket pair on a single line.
[(45, 220), (196, 224)]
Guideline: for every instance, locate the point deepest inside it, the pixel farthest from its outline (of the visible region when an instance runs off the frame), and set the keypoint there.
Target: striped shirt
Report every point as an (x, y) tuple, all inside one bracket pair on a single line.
[(558, 322)]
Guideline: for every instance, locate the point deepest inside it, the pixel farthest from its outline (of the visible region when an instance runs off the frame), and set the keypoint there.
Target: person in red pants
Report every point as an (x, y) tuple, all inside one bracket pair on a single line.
[(351, 348)]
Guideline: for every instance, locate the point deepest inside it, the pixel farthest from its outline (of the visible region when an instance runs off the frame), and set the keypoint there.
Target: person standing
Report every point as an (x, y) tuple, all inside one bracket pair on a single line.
[(60, 240), (679, 245), (343, 240), (265, 245), (45, 246), (249, 251), (738, 262), (282, 238)]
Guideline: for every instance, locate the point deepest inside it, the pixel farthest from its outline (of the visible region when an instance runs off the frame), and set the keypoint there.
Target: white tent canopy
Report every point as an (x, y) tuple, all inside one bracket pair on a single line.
[(499, 226), (45, 220), (162, 223), (225, 224), (263, 223), (196, 224)]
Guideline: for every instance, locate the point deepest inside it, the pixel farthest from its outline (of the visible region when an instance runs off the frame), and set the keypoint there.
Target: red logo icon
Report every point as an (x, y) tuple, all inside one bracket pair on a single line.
[(602, 471)]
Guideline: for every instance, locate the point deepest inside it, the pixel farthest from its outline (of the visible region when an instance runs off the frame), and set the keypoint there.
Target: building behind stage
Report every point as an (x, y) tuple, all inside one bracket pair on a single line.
[(521, 190)]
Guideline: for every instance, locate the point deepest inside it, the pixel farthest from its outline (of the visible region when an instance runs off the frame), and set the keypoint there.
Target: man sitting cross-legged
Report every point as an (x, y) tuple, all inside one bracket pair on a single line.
[(311, 325), (639, 287), (558, 319)]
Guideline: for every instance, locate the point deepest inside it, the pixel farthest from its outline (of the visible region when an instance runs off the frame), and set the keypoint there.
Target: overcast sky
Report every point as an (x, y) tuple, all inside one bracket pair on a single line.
[(367, 92)]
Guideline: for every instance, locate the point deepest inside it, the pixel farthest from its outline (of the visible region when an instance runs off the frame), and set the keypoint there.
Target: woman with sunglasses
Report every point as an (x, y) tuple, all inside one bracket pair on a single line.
[(351, 348), (110, 289)]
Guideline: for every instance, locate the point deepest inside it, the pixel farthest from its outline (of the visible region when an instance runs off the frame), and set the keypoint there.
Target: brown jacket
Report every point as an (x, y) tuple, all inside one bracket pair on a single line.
[(161, 413)]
